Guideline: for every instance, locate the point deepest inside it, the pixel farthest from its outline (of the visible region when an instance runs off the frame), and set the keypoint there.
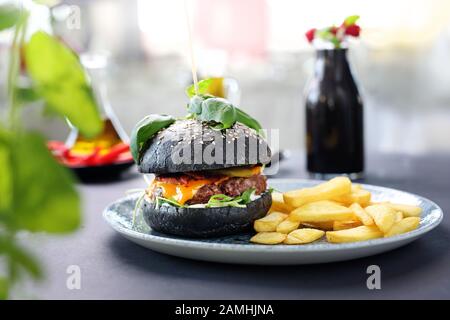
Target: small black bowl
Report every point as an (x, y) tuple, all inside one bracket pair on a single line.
[(100, 173)]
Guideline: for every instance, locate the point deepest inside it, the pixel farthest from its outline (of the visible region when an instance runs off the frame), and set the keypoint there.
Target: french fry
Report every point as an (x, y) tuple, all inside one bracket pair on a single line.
[(357, 195), (278, 203), (287, 225), (404, 225), (382, 215), (302, 236), (373, 203), (321, 211), (337, 209), (325, 225), (361, 233), (268, 238), (361, 214), (408, 210), (333, 188), (269, 222), (342, 225)]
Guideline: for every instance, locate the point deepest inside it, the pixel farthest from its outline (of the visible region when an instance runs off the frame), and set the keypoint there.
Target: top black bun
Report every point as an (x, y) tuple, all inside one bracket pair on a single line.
[(181, 146)]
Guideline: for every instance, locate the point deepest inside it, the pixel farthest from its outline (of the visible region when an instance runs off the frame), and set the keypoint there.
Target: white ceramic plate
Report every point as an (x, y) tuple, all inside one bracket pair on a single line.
[(237, 249)]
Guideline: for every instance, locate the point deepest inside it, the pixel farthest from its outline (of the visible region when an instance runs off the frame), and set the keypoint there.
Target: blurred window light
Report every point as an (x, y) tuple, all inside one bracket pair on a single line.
[(163, 25), (386, 23)]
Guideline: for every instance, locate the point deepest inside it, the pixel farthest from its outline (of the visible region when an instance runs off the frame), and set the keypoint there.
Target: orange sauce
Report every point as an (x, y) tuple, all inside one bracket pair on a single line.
[(180, 192)]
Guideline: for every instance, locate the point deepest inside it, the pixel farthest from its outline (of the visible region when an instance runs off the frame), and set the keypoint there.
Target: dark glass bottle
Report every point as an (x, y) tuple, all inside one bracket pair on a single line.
[(334, 118)]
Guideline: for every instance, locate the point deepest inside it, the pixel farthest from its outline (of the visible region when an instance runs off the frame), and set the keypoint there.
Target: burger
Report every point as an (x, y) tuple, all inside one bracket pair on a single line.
[(207, 169)]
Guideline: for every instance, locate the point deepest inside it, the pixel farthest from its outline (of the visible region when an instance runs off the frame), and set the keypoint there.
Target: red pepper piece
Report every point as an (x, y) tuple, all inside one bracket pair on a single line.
[(113, 154)]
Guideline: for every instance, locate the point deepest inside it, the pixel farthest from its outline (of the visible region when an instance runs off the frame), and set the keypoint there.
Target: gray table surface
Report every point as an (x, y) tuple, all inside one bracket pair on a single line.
[(115, 268)]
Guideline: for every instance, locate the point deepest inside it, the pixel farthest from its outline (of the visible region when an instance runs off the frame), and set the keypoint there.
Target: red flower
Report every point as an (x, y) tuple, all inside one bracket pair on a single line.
[(310, 34), (353, 30), (333, 30)]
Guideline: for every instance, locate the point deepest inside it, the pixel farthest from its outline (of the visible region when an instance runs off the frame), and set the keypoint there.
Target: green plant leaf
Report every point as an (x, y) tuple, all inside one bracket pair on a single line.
[(45, 198), (61, 80), (27, 95), (4, 288), (172, 202), (19, 259), (220, 111), (195, 104), (247, 120), (145, 130), (246, 195), (351, 20), (48, 3), (9, 15), (222, 200), (202, 88), (6, 180)]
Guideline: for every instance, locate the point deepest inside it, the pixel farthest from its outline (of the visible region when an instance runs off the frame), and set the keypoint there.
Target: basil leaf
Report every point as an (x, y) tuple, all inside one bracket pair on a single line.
[(60, 79), (247, 120), (145, 130), (195, 104), (351, 20), (202, 88), (220, 111), (44, 196), (9, 15)]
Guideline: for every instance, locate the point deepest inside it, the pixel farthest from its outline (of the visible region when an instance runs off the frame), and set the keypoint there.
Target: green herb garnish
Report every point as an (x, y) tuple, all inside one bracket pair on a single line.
[(172, 202), (203, 86), (217, 200), (145, 130), (137, 208), (221, 200), (272, 190), (219, 113)]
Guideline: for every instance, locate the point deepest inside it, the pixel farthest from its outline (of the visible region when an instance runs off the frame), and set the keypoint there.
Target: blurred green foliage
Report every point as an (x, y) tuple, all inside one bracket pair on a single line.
[(36, 193)]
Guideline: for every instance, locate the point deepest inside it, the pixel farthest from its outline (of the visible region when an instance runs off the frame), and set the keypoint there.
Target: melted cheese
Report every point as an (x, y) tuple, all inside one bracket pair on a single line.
[(241, 171), (180, 192)]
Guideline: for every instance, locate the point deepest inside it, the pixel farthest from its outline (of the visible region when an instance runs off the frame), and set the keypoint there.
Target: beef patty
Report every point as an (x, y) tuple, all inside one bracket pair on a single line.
[(232, 187)]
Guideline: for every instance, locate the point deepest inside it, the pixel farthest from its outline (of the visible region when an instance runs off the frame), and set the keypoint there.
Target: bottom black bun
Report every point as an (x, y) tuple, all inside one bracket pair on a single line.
[(205, 222)]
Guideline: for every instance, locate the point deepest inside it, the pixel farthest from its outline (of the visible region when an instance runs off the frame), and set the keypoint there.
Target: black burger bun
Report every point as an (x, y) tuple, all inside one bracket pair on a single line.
[(205, 222), (181, 148)]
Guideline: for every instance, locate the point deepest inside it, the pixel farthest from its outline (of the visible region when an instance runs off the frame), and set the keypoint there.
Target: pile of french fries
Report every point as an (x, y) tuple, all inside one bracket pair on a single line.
[(337, 209)]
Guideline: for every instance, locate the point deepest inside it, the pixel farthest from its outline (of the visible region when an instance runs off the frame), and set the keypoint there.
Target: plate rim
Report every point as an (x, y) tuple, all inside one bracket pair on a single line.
[(322, 247)]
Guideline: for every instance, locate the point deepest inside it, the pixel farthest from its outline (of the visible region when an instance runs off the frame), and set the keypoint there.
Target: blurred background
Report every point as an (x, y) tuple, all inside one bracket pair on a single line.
[(401, 61)]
